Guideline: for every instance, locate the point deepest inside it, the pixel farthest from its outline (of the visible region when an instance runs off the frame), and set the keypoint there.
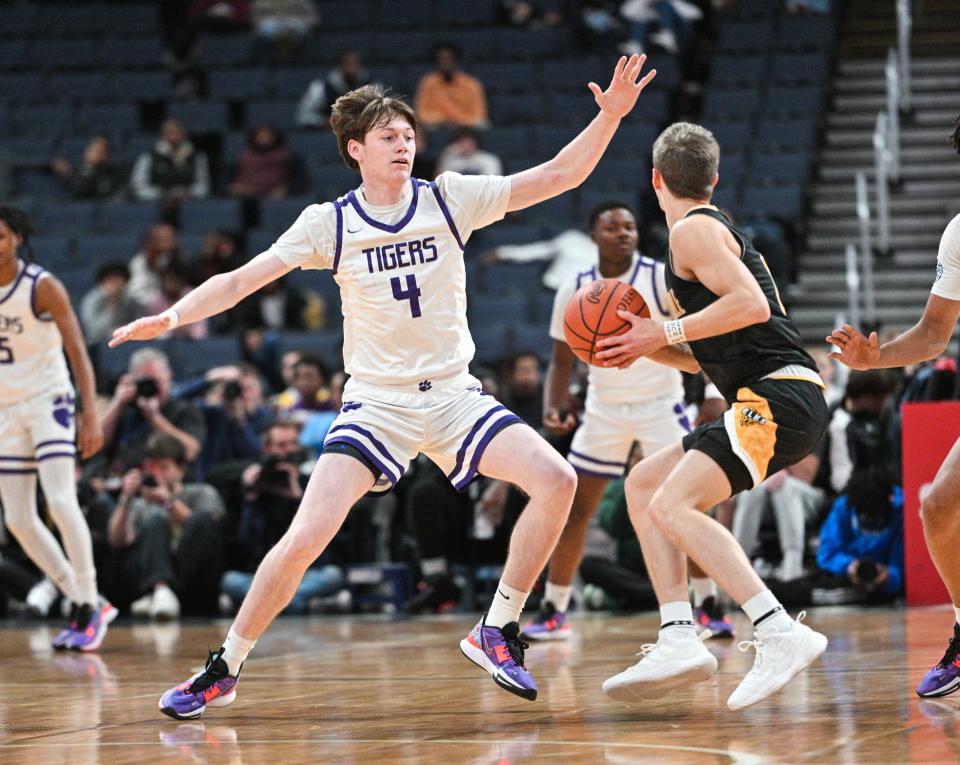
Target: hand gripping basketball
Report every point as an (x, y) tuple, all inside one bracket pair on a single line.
[(592, 314)]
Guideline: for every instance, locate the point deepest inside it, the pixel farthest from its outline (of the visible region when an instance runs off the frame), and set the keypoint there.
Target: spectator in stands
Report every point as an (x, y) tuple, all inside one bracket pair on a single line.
[(424, 161), (312, 394), (159, 251), (235, 415), (524, 390), (284, 23), (858, 431), (464, 155), (141, 406), (220, 253), (173, 170), (597, 24), (286, 393), (317, 101), (166, 536), (98, 176), (672, 18), (261, 349), (173, 286), (108, 304), (266, 166), (449, 96), (279, 306)]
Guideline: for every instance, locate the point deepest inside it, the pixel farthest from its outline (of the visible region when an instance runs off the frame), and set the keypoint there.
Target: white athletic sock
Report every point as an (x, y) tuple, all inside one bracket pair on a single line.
[(559, 596), (703, 587), (236, 650), (506, 607), (956, 611), (676, 620), (433, 566), (766, 613)]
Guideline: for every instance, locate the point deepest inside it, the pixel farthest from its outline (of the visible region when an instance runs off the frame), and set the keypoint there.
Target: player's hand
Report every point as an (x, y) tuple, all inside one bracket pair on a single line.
[(132, 481), (853, 349), (618, 99), (89, 434), (555, 426), (644, 337), (146, 328)]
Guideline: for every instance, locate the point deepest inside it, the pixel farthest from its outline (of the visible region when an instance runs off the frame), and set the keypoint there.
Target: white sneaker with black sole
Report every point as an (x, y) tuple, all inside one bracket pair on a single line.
[(781, 656), (667, 664)]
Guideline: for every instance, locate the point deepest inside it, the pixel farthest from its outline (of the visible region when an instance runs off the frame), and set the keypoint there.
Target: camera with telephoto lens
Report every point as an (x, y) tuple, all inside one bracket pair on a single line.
[(147, 387), (867, 571), (232, 390), (273, 478)]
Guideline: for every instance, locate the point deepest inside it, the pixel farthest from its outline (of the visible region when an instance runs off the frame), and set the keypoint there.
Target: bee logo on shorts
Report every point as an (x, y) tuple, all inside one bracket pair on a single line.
[(750, 416)]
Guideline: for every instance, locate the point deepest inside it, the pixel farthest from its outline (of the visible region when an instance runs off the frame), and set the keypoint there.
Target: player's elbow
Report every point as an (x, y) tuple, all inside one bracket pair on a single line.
[(759, 311)]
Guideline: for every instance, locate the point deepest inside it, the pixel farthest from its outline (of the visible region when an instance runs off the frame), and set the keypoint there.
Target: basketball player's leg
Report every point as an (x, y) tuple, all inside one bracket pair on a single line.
[(337, 482), (940, 511)]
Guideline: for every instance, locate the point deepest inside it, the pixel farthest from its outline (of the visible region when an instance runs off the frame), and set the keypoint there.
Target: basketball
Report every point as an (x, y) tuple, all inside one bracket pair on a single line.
[(591, 315)]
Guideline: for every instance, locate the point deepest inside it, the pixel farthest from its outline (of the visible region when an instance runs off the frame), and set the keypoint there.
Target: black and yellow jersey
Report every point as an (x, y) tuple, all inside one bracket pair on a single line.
[(739, 358)]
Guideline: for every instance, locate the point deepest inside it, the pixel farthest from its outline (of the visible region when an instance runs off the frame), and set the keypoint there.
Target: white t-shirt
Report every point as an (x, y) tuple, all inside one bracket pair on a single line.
[(644, 379), (401, 273), (947, 282), (570, 252)]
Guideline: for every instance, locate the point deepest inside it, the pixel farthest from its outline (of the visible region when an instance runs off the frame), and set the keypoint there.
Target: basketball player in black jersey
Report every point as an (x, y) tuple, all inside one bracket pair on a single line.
[(729, 312)]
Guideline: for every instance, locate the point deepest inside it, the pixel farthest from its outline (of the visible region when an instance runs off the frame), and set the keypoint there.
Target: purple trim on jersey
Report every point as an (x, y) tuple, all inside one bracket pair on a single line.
[(362, 448), (446, 214), (596, 474), (17, 459), (16, 283), (511, 419), (338, 207), (462, 451), (33, 294), (18, 471), (592, 273), (72, 455), (388, 227), (599, 462), (636, 270), (54, 441), (682, 417), (350, 406), (656, 292), (373, 440)]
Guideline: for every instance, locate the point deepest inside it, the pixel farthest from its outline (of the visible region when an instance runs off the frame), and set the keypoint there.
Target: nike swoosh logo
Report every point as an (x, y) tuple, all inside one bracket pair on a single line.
[(352, 231), (505, 597)]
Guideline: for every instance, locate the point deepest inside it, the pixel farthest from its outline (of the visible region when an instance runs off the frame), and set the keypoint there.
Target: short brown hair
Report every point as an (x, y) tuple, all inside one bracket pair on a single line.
[(358, 112), (687, 156), (163, 446)]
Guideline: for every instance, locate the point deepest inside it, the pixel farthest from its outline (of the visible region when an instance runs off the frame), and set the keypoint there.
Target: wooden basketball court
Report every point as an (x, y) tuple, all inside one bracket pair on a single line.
[(369, 691)]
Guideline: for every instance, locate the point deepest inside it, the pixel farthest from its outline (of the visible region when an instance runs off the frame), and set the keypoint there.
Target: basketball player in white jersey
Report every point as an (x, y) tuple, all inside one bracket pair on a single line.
[(940, 507), (395, 247), (40, 432), (641, 403)]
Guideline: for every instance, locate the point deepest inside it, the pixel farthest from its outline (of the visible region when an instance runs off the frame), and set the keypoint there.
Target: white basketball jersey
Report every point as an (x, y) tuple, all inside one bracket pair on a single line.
[(644, 379), (402, 283), (31, 348), (947, 281)]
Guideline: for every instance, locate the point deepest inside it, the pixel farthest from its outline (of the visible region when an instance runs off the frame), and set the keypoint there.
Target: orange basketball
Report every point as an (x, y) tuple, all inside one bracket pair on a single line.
[(591, 315)]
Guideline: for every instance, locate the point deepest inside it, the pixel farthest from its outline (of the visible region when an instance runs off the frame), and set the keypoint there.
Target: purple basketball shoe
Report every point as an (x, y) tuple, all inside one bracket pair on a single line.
[(549, 624), (710, 615), (944, 676), (213, 687), (62, 641), (500, 652), (91, 624)]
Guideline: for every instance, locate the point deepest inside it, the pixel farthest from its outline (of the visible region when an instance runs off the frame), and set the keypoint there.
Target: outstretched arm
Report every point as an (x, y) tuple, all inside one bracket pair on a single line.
[(217, 294), (576, 160), (927, 339)]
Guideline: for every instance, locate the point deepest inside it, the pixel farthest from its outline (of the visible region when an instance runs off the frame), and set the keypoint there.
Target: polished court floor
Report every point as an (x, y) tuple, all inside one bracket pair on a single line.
[(374, 691)]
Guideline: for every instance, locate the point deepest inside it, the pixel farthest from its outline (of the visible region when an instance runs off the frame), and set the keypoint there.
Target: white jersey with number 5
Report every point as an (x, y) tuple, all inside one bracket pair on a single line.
[(31, 348), (947, 281), (401, 273)]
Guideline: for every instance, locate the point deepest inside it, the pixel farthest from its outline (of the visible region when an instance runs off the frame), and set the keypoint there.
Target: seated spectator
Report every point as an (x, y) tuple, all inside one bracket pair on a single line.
[(272, 489), (173, 286), (287, 394), (311, 392), (166, 537), (284, 23), (672, 19), (449, 96), (597, 25), (108, 305), (261, 350), (158, 252), (463, 155), (173, 170), (321, 94), (277, 306), (220, 253), (524, 390), (97, 176), (266, 166), (141, 406)]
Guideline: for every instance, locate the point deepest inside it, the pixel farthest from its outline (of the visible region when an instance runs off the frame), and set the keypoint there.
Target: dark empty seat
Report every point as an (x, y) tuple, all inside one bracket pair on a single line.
[(327, 345), (14, 54), (788, 134), (205, 214), (201, 116), (743, 36), (292, 82), (24, 86), (507, 277), (337, 14), (491, 339), (791, 167), (510, 108), (132, 52), (728, 71), (736, 103), (109, 118), (239, 83), (67, 218), (799, 67), (129, 216), (228, 50), (532, 338), (95, 249), (497, 305), (143, 86), (53, 53), (784, 202), (793, 100), (508, 142), (806, 32), (277, 215), (280, 114), (499, 76), (53, 251)]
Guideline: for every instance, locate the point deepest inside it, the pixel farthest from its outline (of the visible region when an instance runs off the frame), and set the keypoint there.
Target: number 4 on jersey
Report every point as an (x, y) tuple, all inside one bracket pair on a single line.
[(411, 293)]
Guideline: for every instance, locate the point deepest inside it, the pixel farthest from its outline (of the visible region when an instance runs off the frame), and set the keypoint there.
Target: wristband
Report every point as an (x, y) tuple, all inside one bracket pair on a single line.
[(173, 316), (674, 332)]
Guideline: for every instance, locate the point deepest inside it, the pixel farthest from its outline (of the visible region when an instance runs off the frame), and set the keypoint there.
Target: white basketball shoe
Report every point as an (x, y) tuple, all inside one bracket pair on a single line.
[(669, 663), (781, 656)]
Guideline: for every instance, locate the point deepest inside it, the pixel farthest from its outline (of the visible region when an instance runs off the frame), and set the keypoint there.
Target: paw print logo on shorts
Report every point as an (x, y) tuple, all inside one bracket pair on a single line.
[(63, 410), (425, 385)]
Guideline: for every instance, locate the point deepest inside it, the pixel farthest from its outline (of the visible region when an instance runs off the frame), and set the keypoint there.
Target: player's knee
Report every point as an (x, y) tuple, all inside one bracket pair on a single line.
[(21, 525), (660, 512), (564, 481), (938, 508), (639, 488)]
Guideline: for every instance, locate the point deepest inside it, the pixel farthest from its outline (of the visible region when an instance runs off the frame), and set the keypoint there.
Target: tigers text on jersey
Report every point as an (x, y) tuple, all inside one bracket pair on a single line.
[(401, 273), (31, 348), (947, 281), (644, 379)]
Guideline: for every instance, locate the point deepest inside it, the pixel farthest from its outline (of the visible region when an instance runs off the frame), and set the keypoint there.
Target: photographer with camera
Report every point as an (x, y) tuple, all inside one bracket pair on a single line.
[(141, 406), (273, 487), (165, 535)]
